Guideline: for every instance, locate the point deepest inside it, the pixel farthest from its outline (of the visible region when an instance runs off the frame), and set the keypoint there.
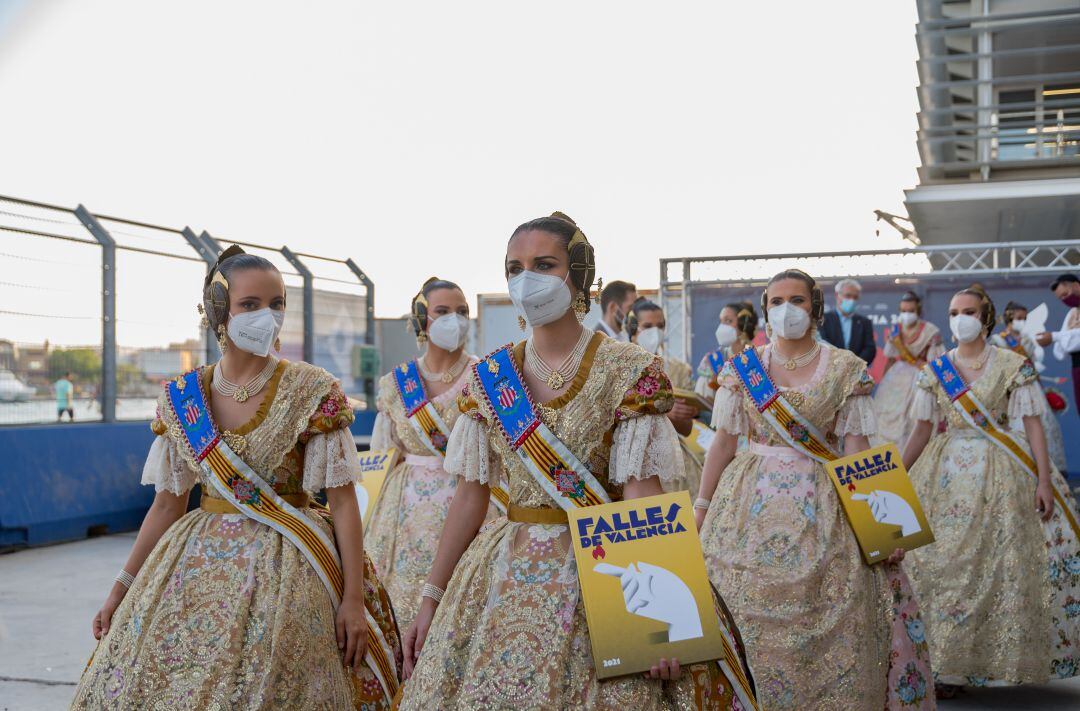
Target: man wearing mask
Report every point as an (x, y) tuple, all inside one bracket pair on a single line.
[(1066, 342), (846, 329), (615, 301)]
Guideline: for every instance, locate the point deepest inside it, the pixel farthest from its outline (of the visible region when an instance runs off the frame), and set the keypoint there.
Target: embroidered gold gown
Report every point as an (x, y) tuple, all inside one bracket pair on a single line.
[(407, 520), (681, 376), (1000, 589), (892, 398), (510, 632), (225, 612), (823, 630)]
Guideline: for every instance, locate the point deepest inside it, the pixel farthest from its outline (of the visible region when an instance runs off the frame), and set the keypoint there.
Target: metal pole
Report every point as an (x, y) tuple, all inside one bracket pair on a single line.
[(210, 257), (686, 313), (108, 311), (369, 322), (309, 302), (211, 244)]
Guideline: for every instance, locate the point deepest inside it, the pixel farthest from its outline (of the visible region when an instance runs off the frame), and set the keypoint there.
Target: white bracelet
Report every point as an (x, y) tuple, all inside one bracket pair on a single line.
[(702, 503), (433, 592), (125, 578)]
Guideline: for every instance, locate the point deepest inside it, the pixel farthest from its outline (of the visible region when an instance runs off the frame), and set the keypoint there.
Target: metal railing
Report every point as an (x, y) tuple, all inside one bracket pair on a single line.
[(70, 277), (678, 275)]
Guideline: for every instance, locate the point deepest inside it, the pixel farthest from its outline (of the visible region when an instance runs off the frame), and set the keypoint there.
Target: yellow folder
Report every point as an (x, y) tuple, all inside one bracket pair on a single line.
[(644, 584), (880, 502), (374, 466)]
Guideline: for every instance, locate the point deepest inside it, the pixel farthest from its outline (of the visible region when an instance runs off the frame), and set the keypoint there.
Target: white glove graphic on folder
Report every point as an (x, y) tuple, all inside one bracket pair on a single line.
[(890, 508), (658, 594)]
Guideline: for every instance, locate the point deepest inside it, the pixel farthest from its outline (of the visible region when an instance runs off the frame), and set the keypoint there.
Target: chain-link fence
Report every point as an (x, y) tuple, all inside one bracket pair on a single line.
[(96, 311)]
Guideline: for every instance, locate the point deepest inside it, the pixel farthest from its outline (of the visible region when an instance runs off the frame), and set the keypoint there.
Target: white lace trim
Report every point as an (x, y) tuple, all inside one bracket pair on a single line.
[(856, 417), (166, 470), (382, 435), (330, 460), (728, 413), (923, 405), (890, 349), (1027, 401), (643, 447), (469, 455)]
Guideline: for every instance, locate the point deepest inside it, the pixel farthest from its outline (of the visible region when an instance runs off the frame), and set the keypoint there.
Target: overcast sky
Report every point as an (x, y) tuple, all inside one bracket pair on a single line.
[(414, 136)]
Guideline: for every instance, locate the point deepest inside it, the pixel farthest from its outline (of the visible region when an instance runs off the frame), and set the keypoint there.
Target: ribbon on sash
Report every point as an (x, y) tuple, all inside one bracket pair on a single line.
[(975, 414), (793, 428), (897, 339), (548, 460), (426, 421), (238, 484)]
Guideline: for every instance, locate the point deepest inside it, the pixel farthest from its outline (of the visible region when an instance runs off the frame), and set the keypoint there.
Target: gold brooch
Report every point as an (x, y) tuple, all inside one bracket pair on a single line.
[(493, 367), (236, 442), (181, 383)]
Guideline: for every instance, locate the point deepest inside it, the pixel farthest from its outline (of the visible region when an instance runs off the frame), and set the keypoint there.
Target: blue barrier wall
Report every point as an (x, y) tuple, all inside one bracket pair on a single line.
[(57, 482)]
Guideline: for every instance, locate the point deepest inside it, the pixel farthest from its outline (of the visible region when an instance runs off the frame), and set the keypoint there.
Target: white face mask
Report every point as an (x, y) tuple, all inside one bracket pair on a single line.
[(651, 339), (726, 335), (542, 298), (1018, 324), (965, 328), (256, 331), (789, 321), (449, 331), (908, 318)]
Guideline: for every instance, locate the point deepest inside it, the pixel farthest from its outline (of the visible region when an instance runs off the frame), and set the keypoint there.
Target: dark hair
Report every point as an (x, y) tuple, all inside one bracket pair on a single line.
[(912, 297), (216, 294), (1010, 310), (817, 299), (615, 291), (987, 312), (582, 255), (67, 373), (419, 308), (1063, 279), (746, 319), (642, 304)]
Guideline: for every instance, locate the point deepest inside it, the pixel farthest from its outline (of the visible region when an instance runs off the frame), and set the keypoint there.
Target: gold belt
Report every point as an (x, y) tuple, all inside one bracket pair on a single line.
[(214, 505), (548, 516)]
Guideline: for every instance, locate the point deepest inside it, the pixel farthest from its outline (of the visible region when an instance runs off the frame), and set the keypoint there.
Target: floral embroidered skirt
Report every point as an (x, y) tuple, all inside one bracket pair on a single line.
[(822, 629), (226, 614), (1000, 589), (510, 633), (892, 399)]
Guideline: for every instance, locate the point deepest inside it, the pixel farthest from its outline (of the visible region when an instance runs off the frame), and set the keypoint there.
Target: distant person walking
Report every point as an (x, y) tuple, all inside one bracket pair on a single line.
[(65, 397), (846, 329), (1067, 341)]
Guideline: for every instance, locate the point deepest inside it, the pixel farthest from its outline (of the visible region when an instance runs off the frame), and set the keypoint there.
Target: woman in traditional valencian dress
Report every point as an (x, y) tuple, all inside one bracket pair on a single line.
[(646, 324), (246, 602), (909, 345), (738, 325), (1014, 339), (823, 629), (1000, 585), (417, 406), (510, 632)]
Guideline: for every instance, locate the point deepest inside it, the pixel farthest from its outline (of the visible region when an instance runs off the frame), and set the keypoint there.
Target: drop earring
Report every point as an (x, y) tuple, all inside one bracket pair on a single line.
[(222, 339), (521, 323), (581, 306)]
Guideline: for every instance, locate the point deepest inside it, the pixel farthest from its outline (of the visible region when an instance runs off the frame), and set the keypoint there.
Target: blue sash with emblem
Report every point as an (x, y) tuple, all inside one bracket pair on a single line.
[(548, 460), (716, 361)]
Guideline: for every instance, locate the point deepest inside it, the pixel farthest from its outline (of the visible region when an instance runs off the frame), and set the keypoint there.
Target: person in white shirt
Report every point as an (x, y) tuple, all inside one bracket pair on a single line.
[(1067, 341), (616, 299)]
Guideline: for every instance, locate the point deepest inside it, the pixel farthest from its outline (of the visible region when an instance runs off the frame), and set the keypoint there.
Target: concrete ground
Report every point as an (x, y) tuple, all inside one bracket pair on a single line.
[(48, 597)]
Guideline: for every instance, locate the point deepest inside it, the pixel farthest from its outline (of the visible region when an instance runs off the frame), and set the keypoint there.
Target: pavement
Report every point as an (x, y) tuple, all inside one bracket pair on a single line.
[(48, 597)]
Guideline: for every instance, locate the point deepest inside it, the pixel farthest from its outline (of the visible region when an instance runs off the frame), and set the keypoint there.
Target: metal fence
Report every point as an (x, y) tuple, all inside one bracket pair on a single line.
[(96, 311)]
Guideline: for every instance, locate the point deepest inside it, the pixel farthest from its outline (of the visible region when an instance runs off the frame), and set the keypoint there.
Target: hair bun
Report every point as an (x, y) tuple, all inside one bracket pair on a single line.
[(564, 216)]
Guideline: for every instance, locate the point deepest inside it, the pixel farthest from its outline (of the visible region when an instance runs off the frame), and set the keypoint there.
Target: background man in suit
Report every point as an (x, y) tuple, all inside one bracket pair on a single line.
[(615, 301), (846, 329)]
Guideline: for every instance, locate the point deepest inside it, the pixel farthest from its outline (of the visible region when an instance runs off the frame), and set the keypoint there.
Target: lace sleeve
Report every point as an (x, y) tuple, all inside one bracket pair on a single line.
[(165, 470), (382, 434), (890, 349), (1027, 400), (936, 349), (923, 403), (856, 417), (330, 460), (644, 447), (469, 453), (728, 413)]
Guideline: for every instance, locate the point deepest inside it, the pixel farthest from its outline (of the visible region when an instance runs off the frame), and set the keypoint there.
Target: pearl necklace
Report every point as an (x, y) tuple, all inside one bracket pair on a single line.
[(447, 376), (558, 377), (241, 393), (978, 363), (799, 362)]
